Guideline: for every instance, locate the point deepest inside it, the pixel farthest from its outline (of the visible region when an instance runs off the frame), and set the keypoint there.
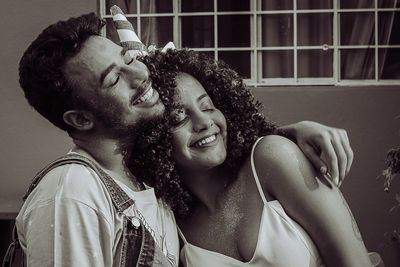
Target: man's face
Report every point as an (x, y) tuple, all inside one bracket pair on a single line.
[(114, 86)]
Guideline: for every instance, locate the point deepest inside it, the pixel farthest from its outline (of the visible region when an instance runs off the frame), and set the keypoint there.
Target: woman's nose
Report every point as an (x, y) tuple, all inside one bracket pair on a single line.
[(201, 122)]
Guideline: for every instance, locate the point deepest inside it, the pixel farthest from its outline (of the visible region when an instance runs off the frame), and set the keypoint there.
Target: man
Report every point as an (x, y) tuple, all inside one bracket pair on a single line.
[(86, 209), (90, 87)]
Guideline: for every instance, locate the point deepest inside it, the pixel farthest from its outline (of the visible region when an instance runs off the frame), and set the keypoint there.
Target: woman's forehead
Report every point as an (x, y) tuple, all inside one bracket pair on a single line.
[(188, 88)]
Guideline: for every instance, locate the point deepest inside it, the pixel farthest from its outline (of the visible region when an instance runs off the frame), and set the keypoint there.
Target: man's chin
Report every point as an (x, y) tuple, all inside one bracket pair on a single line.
[(156, 111), (146, 128)]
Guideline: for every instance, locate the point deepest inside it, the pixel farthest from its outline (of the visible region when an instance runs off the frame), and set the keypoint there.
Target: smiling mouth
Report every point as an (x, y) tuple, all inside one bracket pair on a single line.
[(147, 93), (205, 141)]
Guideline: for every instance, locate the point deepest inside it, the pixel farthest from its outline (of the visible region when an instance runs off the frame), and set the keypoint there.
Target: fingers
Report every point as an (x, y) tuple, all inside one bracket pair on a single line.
[(341, 159), (344, 153), (328, 149), (347, 149), (314, 157), (337, 153), (329, 156)]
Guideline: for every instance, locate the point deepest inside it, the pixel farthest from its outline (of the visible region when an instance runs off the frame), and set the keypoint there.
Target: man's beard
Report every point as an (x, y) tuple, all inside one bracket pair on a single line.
[(126, 133), (136, 137)]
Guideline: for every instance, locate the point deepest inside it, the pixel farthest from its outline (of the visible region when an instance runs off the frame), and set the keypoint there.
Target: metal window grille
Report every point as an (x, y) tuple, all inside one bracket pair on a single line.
[(249, 52)]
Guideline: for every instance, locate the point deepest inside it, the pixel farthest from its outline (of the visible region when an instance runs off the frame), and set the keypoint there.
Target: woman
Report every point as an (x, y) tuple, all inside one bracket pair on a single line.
[(228, 185)]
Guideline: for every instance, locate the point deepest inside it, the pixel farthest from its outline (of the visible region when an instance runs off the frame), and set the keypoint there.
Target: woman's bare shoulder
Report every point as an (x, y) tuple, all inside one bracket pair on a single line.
[(276, 150), (278, 160)]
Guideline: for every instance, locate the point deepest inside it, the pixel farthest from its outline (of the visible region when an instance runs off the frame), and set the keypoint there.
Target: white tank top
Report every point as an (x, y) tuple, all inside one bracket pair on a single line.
[(281, 241)]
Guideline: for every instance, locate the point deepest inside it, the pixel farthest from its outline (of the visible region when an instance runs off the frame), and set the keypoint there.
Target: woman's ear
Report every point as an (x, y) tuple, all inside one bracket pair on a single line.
[(79, 119)]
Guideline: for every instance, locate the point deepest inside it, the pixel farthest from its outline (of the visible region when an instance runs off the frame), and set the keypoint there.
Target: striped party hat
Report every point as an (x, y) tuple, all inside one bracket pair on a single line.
[(127, 34), (128, 37)]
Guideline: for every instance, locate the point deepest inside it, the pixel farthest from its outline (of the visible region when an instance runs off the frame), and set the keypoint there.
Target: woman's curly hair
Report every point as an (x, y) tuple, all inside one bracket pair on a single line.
[(152, 157)]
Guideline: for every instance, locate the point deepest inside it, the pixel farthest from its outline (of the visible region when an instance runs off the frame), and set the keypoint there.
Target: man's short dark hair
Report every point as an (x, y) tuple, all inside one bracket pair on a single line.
[(41, 67)]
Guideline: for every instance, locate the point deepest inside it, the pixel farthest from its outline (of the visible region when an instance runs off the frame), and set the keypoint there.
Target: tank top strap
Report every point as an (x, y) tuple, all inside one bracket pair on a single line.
[(253, 168), (181, 235)]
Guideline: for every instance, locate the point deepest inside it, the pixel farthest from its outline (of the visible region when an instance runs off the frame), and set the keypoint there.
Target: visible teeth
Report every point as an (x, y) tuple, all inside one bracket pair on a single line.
[(206, 140), (147, 96)]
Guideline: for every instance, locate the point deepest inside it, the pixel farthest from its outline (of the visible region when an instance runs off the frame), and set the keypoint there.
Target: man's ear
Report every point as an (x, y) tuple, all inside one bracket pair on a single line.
[(79, 119)]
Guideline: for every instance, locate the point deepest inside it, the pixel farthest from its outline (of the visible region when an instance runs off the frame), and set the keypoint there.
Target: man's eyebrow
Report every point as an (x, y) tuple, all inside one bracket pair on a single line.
[(112, 66)]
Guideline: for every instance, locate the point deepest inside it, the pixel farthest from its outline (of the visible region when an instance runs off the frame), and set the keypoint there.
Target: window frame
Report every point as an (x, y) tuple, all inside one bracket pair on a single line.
[(255, 15)]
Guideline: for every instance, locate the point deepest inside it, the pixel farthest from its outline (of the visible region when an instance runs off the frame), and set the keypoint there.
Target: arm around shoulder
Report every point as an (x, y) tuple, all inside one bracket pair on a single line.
[(313, 201)]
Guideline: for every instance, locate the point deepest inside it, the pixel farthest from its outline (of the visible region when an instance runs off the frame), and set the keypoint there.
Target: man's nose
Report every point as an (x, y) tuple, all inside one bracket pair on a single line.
[(137, 74)]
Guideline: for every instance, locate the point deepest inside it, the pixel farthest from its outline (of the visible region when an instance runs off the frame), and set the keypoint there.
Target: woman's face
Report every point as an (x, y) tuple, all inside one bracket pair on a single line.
[(199, 132)]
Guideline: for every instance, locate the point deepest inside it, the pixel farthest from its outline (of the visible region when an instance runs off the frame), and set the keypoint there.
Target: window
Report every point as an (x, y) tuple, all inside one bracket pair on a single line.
[(278, 42)]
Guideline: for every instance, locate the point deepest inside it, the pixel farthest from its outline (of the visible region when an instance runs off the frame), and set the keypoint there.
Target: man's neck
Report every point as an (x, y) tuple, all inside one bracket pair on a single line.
[(107, 154)]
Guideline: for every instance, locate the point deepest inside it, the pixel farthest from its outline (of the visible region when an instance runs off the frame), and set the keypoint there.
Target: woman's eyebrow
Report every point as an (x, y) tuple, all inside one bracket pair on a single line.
[(202, 96)]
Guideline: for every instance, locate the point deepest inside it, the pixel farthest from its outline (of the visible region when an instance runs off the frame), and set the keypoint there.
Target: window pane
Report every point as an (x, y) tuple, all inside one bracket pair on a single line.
[(111, 32), (389, 28), (238, 60), (156, 6), (346, 4), (197, 6), (277, 64), (233, 5), (389, 59), (357, 64), (233, 31), (198, 31), (156, 31), (315, 29), (315, 63), (128, 7), (388, 3), (314, 4), (357, 28), (277, 5), (277, 30)]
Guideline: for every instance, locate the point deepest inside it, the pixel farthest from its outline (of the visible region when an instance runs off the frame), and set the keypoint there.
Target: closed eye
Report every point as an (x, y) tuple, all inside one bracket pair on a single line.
[(115, 82), (207, 106), (128, 58), (130, 62), (178, 118), (176, 123)]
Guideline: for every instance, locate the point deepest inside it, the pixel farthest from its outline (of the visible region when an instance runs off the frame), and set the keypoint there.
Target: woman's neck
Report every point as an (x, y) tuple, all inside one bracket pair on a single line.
[(207, 187)]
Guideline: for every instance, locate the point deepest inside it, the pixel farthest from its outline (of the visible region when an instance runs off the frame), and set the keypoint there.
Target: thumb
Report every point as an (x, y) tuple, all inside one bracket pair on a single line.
[(313, 156)]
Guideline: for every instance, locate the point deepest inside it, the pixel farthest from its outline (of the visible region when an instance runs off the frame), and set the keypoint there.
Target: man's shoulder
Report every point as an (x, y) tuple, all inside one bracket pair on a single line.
[(71, 176), (74, 182)]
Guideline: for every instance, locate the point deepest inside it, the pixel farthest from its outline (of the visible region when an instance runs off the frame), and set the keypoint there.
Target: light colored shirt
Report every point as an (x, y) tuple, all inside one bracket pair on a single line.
[(69, 220)]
